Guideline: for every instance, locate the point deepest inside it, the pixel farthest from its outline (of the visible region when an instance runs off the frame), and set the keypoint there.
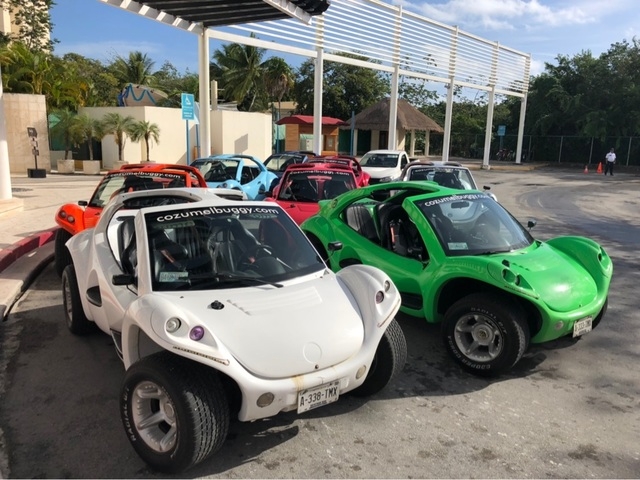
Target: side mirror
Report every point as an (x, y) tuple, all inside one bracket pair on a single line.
[(83, 203), (531, 223), (123, 279), (335, 246), (487, 187)]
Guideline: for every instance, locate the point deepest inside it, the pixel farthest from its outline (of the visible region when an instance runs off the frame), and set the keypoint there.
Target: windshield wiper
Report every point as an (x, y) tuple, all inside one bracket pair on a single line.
[(491, 252), (229, 278)]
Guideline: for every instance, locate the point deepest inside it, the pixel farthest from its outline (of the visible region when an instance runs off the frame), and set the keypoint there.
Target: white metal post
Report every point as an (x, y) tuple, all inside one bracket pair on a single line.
[(5, 172), (523, 111), (446, 140), (392, 140), (488, 131), (204, 94), (317, 88), (317, 103)]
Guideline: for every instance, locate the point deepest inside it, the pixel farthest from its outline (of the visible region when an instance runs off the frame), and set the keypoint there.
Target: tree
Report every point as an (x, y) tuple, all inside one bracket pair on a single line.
[(24, 70), (174, 84), (118, 126), (88, 129), (147, 131), (137, 68), (278, 78), (347, 88), (33, 21), (66, 130), (239, 71), (100, 86)]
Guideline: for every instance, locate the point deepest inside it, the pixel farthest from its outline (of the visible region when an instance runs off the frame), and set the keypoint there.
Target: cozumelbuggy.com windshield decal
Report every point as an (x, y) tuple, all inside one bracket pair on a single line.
[(205, 212), (453, 198), (306, 173), (147, 174)]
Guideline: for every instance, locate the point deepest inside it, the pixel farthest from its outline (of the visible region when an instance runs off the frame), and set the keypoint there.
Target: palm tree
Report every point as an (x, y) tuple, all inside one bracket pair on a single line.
[(25, 71), (147, 131), (240, 71), (278, 78), (118, 126), (89, 129), (66, 130), (137, 68)]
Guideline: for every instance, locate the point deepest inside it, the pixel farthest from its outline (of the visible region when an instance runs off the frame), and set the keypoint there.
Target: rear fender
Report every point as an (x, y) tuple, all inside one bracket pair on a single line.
[(71, 217)]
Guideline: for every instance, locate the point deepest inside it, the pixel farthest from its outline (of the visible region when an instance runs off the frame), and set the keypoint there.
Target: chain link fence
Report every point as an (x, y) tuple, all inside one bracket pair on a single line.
[(565, 149)]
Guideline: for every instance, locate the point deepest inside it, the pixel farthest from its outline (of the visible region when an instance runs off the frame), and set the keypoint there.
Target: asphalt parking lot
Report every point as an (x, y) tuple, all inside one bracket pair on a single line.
[(570, 409)]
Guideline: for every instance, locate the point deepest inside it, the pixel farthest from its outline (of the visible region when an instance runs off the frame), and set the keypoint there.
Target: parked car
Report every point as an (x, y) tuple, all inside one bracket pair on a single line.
[(447, 174), (240, 172), (220, 307), (362, 177), (278, 162), (384, 165), (461, 259), (75, 217), (305, 184)]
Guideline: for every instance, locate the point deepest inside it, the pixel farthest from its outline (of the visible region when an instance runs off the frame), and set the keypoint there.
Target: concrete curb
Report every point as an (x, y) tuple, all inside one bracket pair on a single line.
[(9, 255), (15, 279)]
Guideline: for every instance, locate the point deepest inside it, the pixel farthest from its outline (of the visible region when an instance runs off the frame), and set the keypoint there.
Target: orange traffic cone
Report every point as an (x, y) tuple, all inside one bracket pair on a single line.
[(599, 168), (586, 169)]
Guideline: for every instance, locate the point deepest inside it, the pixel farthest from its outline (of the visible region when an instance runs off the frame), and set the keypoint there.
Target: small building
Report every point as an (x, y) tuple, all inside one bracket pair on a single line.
[(299, 133), (410, 120)]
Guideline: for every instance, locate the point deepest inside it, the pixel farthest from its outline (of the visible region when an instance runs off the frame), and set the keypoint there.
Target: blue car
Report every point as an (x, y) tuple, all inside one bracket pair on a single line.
[(237, 171)]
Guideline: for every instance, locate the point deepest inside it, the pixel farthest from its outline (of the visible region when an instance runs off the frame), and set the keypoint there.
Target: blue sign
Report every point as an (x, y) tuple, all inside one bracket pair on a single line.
[(188, 102), (502, 129)]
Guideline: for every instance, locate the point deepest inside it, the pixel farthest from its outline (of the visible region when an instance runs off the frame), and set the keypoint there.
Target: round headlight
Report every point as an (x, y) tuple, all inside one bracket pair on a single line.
[(196, 333), (70, 219), (387, 285), (63, 214), (172, 325), (379, 296)]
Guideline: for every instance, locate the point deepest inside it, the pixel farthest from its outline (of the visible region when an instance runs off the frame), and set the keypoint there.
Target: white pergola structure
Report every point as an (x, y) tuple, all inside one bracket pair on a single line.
[(393, 40)]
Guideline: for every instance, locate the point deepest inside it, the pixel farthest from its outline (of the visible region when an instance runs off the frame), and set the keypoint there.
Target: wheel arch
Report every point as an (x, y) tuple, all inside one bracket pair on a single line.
[(461, 287), (140, 345)]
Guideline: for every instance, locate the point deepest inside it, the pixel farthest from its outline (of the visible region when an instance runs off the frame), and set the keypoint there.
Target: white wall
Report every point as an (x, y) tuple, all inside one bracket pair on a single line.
[(231, 132), (242, 132)]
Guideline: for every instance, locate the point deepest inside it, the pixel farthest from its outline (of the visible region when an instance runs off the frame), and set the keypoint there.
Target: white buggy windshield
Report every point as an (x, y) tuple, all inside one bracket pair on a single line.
[(226, 247)]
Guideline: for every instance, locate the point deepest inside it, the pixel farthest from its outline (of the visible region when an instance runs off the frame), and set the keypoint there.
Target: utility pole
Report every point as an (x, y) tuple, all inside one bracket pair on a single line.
[(5, 173)]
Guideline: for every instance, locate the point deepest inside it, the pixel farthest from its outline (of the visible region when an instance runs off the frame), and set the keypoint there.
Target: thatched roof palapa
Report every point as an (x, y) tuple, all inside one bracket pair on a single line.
[(376, 117)]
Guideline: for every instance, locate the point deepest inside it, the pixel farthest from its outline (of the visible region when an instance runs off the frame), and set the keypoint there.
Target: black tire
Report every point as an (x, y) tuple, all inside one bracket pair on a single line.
[(62, 257), (389, 360), (192, 401), (486, 334), (77, 321)]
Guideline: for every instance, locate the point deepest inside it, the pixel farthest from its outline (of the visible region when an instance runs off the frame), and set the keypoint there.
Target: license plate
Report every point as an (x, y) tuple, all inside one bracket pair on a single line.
[(582, 326), (318, 396)]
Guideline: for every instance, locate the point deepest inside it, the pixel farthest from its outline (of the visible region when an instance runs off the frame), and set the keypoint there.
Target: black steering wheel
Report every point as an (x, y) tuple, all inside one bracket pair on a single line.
[(253, 254)]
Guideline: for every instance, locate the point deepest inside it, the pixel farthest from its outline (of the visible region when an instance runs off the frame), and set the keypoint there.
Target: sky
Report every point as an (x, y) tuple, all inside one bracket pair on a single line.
[(542, 28)]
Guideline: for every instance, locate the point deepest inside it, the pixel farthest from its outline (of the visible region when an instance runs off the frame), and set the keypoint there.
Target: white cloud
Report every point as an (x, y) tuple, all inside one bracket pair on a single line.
[(515, 14)]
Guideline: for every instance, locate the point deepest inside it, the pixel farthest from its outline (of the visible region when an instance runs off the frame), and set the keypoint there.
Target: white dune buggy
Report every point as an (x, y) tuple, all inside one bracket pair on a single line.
[(218, 307)]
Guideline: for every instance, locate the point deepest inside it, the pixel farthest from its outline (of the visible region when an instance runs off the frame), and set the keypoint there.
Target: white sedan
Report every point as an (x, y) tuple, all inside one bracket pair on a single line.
[(447, 174), (221, 307)]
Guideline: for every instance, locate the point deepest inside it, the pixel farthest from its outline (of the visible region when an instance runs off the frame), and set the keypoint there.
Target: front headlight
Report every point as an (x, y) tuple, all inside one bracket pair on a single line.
[(386, 179)]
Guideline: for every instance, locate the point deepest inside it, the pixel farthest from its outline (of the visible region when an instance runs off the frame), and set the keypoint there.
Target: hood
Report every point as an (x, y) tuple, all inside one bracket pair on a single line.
[(299, 211), (377, 172), (562, 283), (280, 332)]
